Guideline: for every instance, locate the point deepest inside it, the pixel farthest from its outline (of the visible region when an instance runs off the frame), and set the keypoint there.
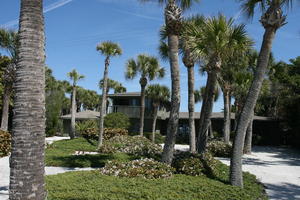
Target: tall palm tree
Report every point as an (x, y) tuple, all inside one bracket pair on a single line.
[(28, 132), (75, 77), (159, 94), (107, 49), (8, 42), (148, 68), (173, 23), (272, 19), (112, 84), (213, 42)]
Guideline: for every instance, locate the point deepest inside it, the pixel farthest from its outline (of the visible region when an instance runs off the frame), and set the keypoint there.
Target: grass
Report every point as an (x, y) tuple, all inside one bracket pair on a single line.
[(91, 185), (60, 154)]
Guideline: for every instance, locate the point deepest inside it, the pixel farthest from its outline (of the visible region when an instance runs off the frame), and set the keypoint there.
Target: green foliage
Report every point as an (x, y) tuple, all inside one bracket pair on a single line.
[(113, 132), (219, 148), (116, 120), (87, 129), (159, 139), (195, 164), (145, 168), (60, 154), (133, 145), (5, 143), (92, 185)]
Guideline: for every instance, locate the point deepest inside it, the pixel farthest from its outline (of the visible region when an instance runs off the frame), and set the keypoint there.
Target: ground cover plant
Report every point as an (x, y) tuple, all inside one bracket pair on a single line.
[(5, 143), (92, 185)]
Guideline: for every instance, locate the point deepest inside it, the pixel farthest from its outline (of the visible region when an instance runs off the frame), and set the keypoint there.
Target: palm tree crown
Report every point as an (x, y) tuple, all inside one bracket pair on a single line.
[(158, 93), (9, 42), (147, 66), (109, 49), (75, 76)]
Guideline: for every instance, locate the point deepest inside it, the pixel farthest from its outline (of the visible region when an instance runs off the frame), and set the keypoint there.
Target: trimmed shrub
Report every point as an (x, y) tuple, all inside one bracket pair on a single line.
[(5, 143), (113, 132), (219, 148), (135, 145), (116, 120), (145, 168), (88, 129), (195, 164), (159, 139)]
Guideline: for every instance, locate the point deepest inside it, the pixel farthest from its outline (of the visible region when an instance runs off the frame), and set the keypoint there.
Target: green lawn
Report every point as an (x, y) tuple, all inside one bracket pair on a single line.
[(91, 185), (60, 154)]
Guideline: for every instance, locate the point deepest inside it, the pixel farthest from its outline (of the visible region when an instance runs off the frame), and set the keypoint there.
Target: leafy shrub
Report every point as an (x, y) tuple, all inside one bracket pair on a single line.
[(87, 129), (116, 120), (159, 139), (113, 132), (219, 148), (195, 164), (135, 145), (5, 143), (145, 168)]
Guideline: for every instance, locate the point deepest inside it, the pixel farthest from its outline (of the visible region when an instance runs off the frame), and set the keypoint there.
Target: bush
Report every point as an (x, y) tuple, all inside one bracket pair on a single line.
[(145, 168), (5, 143), (113, 132), (135, 145), (88, 129), (116, 120), (195, 164), (159, 139), (219, 148)]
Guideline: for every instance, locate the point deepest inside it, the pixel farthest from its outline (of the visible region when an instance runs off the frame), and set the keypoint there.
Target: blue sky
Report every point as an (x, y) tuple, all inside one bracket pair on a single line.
[(75, 27)]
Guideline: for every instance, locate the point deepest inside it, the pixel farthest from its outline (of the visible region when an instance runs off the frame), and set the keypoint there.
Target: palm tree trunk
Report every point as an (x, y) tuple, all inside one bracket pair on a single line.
[(28, 132), (73, 112), (172, 129), (5, 108), (191, 106), (103, 103), (154, 123), (236, 177), (226, 125), (206, 111), (143, 82), (248, 139)]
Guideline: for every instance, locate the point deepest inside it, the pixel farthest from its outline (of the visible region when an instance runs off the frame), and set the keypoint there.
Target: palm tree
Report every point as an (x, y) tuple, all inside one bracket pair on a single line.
[(8, 42), (272, 19), (28, 132), (159, 94), (173, 23), (148, 68), (107, 49), (75, 77), (112, 84), (213, 42)]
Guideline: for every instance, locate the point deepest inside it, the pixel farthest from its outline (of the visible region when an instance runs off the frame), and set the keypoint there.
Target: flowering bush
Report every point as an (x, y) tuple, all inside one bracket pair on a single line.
[(135, 145), (195, 164), (5, 143), (113, 132), (88, 129), (219, 148), (145, 168)]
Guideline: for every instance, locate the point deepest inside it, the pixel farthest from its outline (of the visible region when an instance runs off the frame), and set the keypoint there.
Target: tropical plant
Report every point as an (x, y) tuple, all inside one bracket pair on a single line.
[(272, 19), (8, 42), (173, 24), (148, 68), (28, 132), (217, 39), (117, 120), (159, 94), (107, 49), (75, 77), (112, 84)]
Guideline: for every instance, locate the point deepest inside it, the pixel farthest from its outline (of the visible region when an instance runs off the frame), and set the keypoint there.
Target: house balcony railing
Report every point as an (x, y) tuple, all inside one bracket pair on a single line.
[(134, 111)]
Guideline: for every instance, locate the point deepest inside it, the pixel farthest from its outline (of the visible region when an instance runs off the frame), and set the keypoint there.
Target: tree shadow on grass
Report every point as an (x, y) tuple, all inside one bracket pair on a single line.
[(95, 161)]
